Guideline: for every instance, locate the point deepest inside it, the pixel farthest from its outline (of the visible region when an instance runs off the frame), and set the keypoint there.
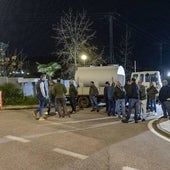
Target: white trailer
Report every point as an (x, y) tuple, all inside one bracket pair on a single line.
[(99, 75)]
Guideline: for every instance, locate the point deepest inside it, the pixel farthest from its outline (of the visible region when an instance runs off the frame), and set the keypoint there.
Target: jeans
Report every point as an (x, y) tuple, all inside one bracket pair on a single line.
[(133, 103), (111, 107), (61, 107), (73, 103), (164, 108), (167, 106), (51, 101), (152, 103), (93, 101), (143, 104), (120, 106), (41, 106)]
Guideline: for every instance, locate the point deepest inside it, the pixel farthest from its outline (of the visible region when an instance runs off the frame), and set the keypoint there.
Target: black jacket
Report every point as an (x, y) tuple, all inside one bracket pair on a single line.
[(134, 91), (164, 93)]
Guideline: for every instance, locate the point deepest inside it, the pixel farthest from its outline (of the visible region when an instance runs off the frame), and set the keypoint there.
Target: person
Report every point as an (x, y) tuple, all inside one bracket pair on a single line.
[(143, 100), (106, 96), (127, 89), (133, 102), (51, 97), (151, 92), (110, 98), (72, 96), (60, 91), (120, 94), (41, 95), (93, 93), (164, 96)]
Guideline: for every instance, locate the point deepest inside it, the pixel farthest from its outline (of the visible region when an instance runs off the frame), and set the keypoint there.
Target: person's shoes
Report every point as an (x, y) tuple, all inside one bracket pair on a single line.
[(143, 120), (46, 113), (41, 118), (154, 113), (92, 110), (97, 110), (164, 117), (73, 111), (136, 121), (35, 114), (124, 121), (139, 118)]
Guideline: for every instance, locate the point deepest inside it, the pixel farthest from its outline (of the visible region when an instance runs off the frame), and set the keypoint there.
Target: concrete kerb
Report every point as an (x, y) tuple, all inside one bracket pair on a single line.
[(19, 107), (156, 126)]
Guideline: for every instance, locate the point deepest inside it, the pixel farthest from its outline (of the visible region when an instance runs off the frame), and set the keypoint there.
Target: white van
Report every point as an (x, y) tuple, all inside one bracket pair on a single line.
[(148, 76)]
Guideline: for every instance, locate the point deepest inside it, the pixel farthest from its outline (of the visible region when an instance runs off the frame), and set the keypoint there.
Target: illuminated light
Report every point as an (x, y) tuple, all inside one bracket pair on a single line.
[(84, 58), (168, 74)]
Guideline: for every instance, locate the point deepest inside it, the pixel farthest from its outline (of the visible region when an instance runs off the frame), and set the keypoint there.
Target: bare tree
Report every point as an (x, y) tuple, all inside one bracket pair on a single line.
[(12, 64), (73, 36), (125, 50)]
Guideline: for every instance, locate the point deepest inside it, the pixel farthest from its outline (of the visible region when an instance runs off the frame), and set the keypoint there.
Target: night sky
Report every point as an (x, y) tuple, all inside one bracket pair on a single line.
[(27, 26)]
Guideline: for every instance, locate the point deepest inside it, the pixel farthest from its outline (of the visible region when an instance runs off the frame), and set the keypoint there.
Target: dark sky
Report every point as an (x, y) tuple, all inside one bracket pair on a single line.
[(27, 26)]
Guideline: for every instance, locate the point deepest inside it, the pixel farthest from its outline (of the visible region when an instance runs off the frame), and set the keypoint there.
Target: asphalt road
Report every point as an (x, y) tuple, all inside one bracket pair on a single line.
[(86, 141)]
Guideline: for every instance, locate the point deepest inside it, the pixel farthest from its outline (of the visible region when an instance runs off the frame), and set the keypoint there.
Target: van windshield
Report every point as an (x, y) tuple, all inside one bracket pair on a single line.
[(151, 77)]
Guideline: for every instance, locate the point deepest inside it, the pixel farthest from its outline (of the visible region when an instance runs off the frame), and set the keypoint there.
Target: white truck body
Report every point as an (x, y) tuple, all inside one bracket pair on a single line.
[(99, 75)]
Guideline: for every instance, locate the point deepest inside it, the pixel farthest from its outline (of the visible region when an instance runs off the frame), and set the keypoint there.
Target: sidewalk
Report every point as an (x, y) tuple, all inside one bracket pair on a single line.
[(164, 126)]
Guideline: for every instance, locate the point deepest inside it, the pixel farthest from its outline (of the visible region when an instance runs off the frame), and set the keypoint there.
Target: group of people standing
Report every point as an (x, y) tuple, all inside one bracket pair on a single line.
[(133, 97), (56, 96), (120, 100)]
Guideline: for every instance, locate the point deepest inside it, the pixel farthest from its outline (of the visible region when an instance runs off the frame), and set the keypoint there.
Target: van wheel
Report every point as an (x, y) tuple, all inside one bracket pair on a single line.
[(83, 102)]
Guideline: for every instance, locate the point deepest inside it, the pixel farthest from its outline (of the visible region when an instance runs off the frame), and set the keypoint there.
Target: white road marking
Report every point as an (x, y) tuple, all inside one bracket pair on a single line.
[(69, 153), (4, 140), (104, 124), (22, 139), (88, 120), (155, 132), (128, 168), (17, 138)]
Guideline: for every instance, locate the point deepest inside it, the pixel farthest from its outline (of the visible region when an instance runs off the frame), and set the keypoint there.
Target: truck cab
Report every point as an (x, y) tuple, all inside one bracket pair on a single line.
[(148, 76)]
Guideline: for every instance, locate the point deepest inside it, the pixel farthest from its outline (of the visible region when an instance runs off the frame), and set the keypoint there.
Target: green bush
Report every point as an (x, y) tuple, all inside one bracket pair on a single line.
[(12, 95)]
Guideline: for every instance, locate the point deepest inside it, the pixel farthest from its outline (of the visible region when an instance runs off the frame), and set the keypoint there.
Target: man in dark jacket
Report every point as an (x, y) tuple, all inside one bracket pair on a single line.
[(93, 93), (133, 102), (110, 99), (120, 94), (60, 91), (72, 96), (151, 92), (164, 97)]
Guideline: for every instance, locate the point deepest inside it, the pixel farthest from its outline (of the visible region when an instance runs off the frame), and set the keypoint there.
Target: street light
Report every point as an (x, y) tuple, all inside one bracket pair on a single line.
[(84, 58)]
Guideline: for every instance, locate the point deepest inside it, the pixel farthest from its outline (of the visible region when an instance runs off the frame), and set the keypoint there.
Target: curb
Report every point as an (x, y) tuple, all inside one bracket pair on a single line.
[(160, 130), (10, 107)]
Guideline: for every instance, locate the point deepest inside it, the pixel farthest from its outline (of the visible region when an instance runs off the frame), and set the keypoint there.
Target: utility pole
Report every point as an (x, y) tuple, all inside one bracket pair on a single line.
[(111, 47), (161, 49)]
